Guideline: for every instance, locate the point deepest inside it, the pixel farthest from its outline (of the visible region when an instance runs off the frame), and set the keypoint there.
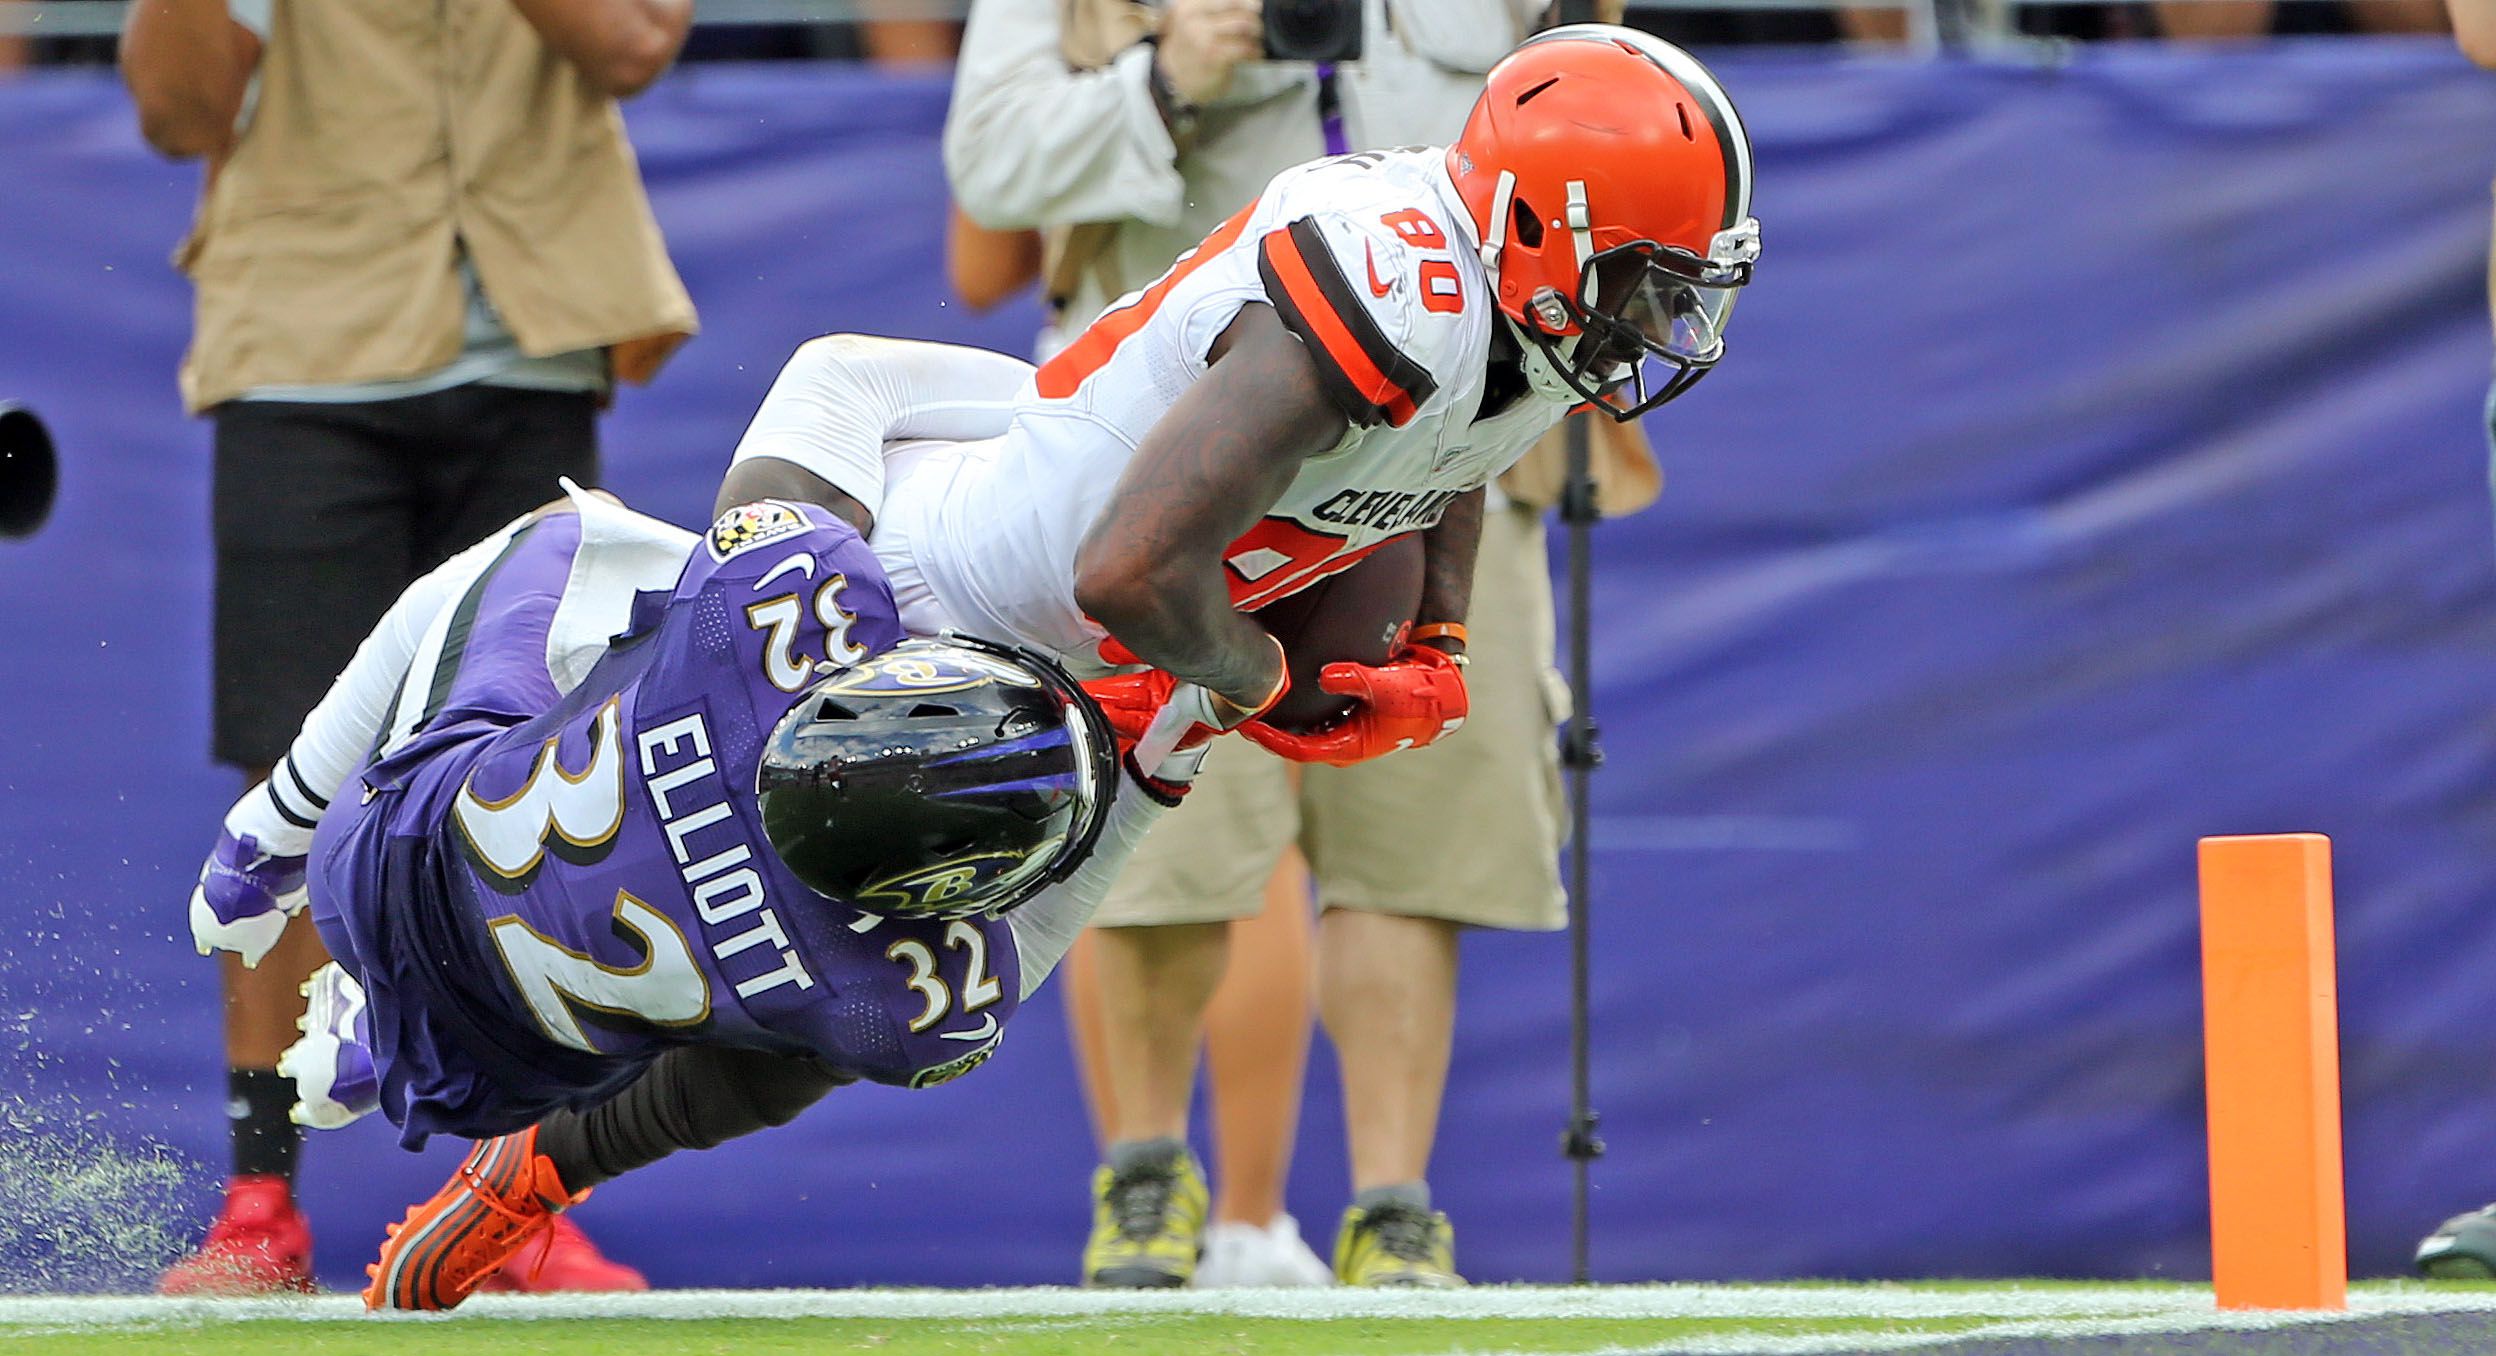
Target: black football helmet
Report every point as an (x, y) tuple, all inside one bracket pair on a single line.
[(939, 779)]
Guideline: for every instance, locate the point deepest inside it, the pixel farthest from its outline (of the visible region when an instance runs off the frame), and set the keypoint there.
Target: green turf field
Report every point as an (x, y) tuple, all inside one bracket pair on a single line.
[(1214, 1336), (1528, 1321)]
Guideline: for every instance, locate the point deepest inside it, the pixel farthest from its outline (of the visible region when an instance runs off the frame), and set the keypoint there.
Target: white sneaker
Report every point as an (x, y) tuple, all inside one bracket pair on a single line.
[(1243, 1256)]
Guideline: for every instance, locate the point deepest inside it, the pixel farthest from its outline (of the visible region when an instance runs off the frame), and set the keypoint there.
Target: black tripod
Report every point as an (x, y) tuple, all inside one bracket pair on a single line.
[(1580, 755)]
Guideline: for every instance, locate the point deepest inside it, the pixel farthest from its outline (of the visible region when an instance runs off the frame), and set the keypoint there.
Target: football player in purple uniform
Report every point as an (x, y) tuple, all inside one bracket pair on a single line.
[(579, 823)]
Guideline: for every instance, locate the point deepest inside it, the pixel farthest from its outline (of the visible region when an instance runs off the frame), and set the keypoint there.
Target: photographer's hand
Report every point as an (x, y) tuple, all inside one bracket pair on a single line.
[(187, 63), (1201, 40)]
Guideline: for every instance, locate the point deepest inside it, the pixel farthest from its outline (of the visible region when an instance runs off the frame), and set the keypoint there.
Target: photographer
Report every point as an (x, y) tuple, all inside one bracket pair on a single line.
[(1127, 132)]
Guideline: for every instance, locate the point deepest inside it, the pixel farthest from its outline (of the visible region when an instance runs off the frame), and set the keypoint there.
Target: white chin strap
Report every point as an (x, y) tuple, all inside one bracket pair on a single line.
[(1495, 230), (1540, 376), (1582, 235)]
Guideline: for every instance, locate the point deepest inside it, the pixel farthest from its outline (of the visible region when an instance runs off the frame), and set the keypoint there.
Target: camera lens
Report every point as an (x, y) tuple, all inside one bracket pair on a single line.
[(1313, 30)]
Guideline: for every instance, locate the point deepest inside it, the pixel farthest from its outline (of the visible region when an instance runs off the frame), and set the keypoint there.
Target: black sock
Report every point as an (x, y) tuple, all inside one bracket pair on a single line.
[(692, 1097), (265, 1137)]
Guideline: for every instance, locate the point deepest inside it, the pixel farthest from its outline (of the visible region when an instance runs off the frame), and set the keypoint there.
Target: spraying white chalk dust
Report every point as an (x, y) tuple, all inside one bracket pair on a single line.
[(81, 1210)]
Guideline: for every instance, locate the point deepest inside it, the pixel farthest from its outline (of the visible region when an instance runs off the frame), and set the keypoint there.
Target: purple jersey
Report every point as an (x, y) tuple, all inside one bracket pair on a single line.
[(543, 889)]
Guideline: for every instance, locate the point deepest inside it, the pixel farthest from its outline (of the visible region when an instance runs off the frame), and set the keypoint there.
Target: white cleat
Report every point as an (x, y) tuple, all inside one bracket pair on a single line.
[(331, 1063), (244, 897), (249, 936)]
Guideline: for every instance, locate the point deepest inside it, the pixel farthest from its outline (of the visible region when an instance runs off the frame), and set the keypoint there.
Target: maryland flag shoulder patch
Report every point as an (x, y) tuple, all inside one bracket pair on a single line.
[(750, 525)]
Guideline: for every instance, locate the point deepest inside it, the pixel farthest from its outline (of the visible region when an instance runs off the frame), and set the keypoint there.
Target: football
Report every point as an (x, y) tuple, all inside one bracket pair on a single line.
[(1355, 615)]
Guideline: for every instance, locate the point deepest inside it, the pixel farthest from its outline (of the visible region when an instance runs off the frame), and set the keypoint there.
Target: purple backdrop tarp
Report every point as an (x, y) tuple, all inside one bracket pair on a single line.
[(2099, 466)]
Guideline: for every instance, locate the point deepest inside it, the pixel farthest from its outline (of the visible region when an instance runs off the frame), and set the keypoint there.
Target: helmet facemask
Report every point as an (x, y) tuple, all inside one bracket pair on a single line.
[(1638, 303)]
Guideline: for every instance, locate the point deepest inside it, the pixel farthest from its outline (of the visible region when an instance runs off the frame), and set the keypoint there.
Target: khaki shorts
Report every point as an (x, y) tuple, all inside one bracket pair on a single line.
[(1467, 829)]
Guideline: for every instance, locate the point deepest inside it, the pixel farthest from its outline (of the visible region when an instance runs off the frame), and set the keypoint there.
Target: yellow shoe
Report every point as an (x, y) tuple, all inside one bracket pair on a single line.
[(1148, 1223), (1396, 1245)]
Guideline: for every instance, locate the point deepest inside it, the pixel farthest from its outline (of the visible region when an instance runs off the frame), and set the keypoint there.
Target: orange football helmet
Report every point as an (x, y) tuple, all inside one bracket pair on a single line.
[(1609, 181)]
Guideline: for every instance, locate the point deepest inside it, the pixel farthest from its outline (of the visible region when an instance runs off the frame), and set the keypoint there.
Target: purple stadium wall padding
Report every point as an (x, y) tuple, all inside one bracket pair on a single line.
[(2099, 464)]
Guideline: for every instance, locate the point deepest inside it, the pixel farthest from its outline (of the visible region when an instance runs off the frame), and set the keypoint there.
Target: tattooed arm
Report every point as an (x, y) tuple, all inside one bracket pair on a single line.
[(1151, 568), (1447, 567)]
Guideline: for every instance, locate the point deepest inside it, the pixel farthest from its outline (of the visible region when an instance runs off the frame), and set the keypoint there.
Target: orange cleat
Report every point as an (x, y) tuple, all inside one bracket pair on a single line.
[(260, 1245), (562, 1259), (504, 1195)]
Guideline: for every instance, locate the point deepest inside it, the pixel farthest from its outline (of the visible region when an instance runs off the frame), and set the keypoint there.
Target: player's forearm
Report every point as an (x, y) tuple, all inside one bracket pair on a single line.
[(1192, 634), (1047, 926), (621, 45), (1151, 568), (1151, 571), (1448, 551), (187, 63)]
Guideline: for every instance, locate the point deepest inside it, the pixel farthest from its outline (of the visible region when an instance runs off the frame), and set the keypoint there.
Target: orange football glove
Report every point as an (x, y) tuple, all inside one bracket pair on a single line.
[(1130, 700), (1155, 715), (1405, 703)]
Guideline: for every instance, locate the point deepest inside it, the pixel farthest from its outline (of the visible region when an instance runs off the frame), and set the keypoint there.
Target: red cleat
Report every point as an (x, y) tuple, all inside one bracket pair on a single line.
[(504, 1196), (562, 1259), (260, 1245)]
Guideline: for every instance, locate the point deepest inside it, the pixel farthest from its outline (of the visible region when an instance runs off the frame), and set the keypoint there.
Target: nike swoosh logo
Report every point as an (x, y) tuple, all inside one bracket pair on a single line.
[(987, 1028), (1377, 286)]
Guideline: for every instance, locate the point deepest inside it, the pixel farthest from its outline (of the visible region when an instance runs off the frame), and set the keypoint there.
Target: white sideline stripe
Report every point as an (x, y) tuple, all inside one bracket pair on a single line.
[(2205, 1320), (2042, 1311)]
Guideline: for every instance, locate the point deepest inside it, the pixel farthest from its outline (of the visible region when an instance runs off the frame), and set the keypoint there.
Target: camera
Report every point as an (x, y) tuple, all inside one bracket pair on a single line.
[(28, 474), (1313, 30)]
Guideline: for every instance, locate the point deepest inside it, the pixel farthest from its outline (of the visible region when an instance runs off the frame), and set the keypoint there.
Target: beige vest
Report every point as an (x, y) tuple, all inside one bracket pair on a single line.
[(386, 135)]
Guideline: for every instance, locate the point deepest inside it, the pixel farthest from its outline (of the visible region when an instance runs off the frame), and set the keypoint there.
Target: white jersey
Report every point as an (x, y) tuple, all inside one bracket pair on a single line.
[(1370, 260)]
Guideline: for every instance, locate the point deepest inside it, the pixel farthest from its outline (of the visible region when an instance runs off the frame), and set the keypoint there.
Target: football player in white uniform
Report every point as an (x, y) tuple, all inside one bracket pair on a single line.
[(1348, 359)]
